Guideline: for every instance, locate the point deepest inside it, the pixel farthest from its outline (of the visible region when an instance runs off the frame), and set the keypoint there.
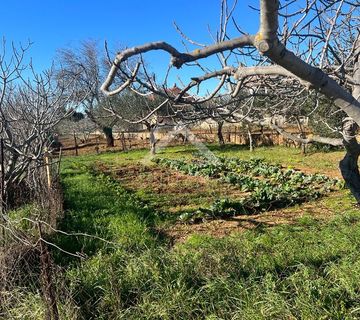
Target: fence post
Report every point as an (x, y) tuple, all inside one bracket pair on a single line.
[(47, 165), (76, 145), (48, 288), (59, 163)]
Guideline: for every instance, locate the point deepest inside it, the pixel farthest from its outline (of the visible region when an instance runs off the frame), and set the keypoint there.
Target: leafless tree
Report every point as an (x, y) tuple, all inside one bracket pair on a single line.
[(317, 45), (81, 129), (31, 105), (134, 111), (88, 66)]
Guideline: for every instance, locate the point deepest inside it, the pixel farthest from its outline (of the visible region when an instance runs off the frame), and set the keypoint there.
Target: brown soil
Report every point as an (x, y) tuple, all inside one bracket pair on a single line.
[(171, 191), (224, 227)]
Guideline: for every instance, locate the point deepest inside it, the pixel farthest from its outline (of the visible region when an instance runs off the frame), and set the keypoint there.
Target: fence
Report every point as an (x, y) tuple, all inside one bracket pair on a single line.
[(24, 256), (233, 134)]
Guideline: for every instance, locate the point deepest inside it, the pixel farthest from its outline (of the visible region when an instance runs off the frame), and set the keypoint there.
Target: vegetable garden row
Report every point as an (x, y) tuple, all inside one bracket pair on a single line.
[(266, 186)]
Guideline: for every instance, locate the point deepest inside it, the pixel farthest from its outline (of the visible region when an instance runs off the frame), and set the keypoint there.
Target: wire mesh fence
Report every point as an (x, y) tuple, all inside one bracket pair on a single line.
[(30, 211)]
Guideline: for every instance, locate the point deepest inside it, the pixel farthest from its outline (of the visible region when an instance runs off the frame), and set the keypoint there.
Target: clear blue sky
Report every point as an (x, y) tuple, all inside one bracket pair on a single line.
[(54, 24)]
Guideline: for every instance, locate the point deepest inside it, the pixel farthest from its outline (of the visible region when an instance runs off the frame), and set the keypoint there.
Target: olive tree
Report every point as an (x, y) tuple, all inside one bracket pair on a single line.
[(134, 111), (86, 65)]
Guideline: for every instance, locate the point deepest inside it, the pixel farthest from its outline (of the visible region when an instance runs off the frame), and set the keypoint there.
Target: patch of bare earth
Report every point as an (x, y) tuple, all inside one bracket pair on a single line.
[(176, 192), (172, 191), (224, 227)]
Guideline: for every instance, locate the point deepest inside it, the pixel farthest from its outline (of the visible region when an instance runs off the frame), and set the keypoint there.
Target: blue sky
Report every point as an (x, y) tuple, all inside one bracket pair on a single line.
[(54, 24), (62, 23)]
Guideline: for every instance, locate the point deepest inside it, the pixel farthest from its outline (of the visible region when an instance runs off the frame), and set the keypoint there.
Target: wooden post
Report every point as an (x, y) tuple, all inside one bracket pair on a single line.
[(59, 162), (48, 289), (47, 165), (76, 146)]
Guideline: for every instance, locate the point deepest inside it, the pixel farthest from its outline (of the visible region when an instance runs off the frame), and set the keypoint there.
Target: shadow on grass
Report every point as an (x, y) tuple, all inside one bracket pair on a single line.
[(98, 206), (228, 147)]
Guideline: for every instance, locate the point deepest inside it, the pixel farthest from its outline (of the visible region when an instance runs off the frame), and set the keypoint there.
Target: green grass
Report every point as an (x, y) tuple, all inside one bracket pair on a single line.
[(308, 270), (291, 157), (204, 196), (96, 205)]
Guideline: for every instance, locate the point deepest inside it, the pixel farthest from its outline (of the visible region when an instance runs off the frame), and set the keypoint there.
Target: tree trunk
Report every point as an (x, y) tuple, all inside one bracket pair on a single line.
[(152, 142), (123, 142), (302, 135), (186, 136), (269, 45), (251, 144), (263, 142), (349, 165), (107, 130), (109, 136), (152, 138), (220, 134), (2, 179), (303, 147)]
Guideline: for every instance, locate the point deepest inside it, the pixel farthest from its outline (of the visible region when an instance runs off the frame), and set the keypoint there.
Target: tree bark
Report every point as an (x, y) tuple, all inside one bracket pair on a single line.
[(268, 44), (108, 132), (251, 142), (152, 138), (186, 136), (349, 165), (302, 135), (220, 134), (2, 179), (152, 142), (123, 141), (330, 141)]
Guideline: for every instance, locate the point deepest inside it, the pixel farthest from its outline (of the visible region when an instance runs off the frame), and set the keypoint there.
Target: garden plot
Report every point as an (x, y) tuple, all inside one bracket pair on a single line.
[(222, 197), (171, 191), (268, 186), (199, 190)]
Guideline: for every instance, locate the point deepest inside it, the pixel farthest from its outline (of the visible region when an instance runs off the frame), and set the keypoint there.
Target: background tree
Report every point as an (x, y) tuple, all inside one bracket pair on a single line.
[(87, 64), (133, 111), (324, 44)]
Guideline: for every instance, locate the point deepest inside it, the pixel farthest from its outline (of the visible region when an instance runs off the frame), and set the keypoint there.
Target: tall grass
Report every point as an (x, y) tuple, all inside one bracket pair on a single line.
[(309, 270)]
